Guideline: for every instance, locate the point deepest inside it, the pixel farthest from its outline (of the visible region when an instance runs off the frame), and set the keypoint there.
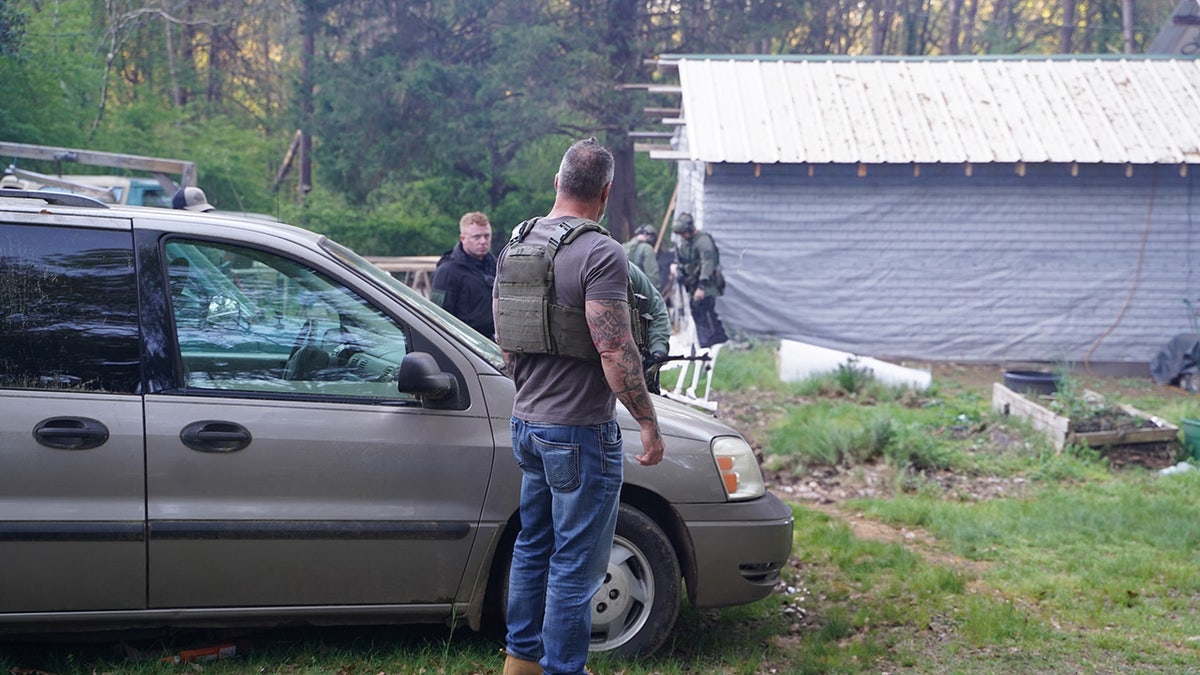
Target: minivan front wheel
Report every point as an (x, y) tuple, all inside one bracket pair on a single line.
[(638, 602)]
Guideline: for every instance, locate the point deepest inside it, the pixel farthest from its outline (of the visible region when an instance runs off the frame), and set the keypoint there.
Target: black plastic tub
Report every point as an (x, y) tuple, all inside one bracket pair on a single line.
[(1031, 382)]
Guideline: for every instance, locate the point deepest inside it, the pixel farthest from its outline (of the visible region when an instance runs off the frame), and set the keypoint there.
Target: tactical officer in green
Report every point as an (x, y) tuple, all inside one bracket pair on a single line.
[(653, 312), (698, 266), (640, 250)]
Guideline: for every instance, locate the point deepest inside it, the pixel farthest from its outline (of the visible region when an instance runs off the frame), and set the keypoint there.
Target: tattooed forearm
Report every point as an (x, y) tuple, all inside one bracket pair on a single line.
[(608, 321)]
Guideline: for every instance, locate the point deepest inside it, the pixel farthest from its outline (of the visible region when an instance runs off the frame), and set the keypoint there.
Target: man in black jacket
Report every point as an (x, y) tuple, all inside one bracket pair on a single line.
[(462, 282)]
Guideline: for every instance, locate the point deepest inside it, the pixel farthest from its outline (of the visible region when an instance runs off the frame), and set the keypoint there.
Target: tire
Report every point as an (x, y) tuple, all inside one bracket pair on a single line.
[(636, 607), (637, 604)]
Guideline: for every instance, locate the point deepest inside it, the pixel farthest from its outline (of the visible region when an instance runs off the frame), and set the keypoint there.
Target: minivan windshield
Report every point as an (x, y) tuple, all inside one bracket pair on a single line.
[(479, 344)]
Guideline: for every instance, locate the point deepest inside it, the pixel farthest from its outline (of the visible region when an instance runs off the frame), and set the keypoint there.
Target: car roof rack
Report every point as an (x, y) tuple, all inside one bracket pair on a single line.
[(54, 198)]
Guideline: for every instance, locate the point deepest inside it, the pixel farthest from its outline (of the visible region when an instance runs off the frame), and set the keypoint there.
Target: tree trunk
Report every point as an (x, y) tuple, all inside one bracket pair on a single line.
[(172, 64), (954, 9), (619, 118), (1067, 32), (1127, 25), (879, 29), (622, 202), (968, 38), (912, 26), (309, 18)]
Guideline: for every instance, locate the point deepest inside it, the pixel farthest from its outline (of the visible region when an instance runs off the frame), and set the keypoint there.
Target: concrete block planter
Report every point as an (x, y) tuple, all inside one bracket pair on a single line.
[(1062, 431)]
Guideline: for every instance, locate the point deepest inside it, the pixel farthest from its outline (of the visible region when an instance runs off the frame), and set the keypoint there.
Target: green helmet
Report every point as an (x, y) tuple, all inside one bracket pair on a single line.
[(684, 223)]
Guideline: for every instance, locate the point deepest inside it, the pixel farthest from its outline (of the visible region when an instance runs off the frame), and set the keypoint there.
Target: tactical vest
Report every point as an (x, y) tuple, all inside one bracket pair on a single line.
[(529, 319), (690, 262)]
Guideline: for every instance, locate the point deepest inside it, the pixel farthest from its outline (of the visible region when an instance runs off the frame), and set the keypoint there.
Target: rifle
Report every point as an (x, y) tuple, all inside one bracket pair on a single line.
[(652, 364)]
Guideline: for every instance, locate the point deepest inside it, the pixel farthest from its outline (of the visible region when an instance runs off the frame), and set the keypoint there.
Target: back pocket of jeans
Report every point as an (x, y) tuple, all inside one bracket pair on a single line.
[(561, 461)]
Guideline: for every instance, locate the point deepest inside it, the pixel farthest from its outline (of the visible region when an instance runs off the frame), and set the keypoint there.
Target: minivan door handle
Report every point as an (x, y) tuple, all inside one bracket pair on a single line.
[(215, 436), (70, 433)]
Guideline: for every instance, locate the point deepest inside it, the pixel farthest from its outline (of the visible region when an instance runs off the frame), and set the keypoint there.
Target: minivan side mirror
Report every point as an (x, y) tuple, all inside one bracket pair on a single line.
[(419, 375)]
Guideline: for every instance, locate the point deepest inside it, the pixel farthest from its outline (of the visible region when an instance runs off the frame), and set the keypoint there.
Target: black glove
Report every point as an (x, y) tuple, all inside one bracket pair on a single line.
[(653, 359)]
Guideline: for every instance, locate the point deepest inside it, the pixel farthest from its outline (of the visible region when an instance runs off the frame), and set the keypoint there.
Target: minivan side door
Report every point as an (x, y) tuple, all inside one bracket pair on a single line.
[(284, 467), (72, 490)]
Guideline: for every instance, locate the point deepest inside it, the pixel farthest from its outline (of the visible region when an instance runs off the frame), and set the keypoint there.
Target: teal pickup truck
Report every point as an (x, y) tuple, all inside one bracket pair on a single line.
[(126, 190)]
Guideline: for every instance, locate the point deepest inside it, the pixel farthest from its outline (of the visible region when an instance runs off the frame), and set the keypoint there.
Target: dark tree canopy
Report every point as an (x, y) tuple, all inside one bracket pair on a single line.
[(411, 112)]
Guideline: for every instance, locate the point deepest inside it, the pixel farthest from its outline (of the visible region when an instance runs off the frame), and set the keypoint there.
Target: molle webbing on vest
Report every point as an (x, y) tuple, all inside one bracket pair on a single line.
[(528, 318)]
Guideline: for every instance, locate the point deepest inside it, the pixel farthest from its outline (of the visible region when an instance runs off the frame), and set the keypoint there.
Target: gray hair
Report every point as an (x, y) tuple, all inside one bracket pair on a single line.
[(586, 168)]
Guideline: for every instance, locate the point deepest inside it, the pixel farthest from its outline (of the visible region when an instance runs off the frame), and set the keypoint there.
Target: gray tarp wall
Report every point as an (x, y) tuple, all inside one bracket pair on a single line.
[(992, 266)]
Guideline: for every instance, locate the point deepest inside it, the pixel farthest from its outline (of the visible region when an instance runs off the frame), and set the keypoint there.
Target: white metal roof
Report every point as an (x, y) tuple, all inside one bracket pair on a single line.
[(1135, 110)]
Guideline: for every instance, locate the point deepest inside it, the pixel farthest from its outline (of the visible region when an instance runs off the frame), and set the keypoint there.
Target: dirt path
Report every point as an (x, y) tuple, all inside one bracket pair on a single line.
[(918, 541)]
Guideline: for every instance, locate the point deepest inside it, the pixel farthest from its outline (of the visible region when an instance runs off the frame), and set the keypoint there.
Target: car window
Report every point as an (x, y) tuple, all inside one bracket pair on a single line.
[(68, 310), (465, 335), (156, 196), (250, 320)]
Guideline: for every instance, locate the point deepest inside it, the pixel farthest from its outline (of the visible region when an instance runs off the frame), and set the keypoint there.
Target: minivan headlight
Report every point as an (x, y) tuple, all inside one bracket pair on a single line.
[(738, 468)]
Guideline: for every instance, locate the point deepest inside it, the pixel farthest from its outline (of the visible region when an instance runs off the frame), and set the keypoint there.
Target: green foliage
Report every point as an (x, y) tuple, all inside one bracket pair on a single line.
[(854, 381), (852, 377), (48, 77), (656, 182), (12, 31), (530, 179), (827, 433), (1071, 402), (235, 166), (755, 366), (913, 446), (410, 224)]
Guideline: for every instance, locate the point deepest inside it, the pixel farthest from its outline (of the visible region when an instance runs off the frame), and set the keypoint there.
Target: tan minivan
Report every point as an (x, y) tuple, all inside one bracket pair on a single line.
[(217, 420)]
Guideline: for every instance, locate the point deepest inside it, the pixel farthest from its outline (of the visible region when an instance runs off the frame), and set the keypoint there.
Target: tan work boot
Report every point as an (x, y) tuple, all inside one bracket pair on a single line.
[(515, 666)]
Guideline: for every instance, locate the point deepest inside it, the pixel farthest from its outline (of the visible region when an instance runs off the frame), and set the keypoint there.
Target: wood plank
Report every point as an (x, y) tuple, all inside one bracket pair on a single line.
[(414, 270), (1162, 431), (97, 158), (1099, 439), (405, 263)]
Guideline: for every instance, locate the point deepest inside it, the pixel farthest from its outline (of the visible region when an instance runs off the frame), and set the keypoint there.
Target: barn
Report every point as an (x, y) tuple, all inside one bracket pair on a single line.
[(955, 209)]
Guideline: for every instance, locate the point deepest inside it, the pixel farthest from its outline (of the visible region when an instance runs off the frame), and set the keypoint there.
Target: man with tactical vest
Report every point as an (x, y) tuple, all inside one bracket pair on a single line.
[(698, 263), (561, 304), (640, 249)]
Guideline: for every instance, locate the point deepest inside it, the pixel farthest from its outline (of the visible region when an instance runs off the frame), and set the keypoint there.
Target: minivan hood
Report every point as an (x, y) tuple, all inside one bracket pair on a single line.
[(681, 421)]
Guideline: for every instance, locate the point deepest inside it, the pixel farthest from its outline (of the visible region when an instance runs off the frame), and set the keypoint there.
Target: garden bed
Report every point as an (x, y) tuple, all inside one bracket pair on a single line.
[(1124, 427)]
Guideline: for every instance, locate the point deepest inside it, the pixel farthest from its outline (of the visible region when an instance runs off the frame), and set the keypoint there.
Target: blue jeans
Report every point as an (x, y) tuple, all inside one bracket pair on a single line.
[(569, 497)]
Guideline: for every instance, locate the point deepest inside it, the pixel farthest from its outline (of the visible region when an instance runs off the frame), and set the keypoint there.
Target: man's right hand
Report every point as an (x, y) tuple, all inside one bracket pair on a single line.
[(652, 446)]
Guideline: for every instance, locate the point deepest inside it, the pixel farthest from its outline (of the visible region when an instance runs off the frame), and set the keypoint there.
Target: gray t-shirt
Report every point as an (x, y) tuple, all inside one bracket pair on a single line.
[(559, 389)]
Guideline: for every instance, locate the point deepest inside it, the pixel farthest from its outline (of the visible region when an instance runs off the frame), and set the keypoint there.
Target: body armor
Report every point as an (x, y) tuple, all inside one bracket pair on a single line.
[(529, 319)]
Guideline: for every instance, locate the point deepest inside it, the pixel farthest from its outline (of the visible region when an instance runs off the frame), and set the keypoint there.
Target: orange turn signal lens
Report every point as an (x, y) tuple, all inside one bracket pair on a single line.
[(728, 476), (731, 482)]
